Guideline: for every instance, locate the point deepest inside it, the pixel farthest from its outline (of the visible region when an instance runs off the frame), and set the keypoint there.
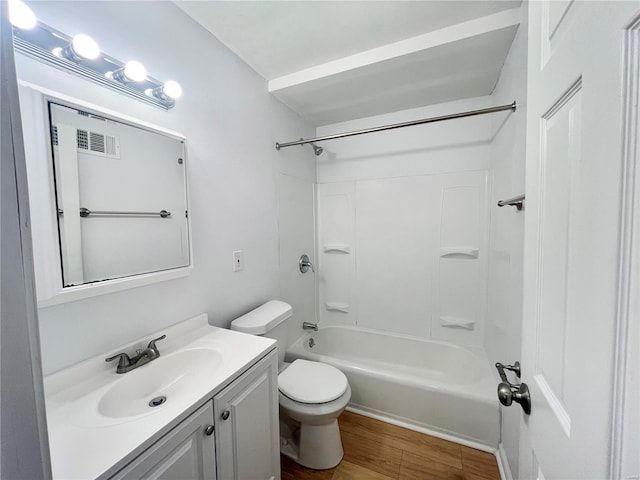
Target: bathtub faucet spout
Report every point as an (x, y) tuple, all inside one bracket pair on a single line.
[(310, 326)]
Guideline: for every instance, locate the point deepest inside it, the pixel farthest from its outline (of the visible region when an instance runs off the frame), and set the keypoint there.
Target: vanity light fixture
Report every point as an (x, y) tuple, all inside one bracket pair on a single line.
[(133, 71), (81, 55), (21, 16), (171, 90), (82, 47)]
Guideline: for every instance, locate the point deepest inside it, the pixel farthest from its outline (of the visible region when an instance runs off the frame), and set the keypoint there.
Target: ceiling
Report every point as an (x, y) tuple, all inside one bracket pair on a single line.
[(332, 61)]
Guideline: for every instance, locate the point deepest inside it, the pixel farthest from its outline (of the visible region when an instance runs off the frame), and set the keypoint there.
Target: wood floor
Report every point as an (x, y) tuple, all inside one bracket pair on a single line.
[(375, 450)]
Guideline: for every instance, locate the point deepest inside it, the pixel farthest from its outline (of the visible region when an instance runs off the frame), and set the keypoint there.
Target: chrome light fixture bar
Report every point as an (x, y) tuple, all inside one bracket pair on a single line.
[(82, 56)]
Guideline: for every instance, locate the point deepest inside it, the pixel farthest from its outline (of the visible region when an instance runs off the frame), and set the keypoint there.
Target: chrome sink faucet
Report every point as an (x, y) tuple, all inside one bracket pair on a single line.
[(310, 326), (142, 357)]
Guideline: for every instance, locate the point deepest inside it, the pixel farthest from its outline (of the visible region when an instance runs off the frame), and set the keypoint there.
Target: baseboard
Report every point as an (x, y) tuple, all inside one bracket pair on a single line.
[(418, 428), (503, 464)]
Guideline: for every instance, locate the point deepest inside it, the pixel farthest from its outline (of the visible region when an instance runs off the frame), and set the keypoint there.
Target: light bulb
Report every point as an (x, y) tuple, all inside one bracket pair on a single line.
[(135, 71), (172, 89), (21, 15), (85, 47)]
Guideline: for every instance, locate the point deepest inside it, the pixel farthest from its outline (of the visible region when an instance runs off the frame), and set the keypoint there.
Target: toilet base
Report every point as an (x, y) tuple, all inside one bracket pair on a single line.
[(310, 434), (320, 446), (313, 446)]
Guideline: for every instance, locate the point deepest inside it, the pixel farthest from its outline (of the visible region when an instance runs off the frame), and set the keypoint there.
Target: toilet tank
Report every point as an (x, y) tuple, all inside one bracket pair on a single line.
[(268, 320)]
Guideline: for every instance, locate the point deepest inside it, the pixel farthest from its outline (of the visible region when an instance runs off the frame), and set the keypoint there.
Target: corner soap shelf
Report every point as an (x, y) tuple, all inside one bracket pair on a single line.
[(337, 307), (459, 252), (337, 248), (456, 322)]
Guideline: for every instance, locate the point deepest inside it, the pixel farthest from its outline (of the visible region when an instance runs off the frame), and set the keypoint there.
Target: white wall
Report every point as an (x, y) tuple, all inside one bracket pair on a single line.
[(231, 124), (504, 313), (296, 221), (408, 204)]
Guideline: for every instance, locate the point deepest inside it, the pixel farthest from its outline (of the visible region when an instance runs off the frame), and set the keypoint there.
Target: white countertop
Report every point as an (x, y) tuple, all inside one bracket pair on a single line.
[(86, 444)]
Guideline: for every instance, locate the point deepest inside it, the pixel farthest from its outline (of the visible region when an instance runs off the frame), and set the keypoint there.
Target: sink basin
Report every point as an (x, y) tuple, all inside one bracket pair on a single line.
[(175, 376)]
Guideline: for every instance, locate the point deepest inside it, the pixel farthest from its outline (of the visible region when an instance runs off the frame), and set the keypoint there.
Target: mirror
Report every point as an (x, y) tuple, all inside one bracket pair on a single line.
[(120, 194)]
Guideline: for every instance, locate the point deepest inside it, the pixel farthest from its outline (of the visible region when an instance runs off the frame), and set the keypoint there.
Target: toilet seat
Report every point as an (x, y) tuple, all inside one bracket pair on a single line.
[(312, 382)]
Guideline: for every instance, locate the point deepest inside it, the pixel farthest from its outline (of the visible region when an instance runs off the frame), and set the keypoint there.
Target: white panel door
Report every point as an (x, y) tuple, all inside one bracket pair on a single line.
[(572, 234)]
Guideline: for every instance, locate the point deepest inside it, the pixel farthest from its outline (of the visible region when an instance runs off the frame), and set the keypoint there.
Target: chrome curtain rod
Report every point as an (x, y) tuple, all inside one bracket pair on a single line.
[(501, 108)]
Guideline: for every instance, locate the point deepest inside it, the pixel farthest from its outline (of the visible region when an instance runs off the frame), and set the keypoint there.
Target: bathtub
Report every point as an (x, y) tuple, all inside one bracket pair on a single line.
[(430, 386)]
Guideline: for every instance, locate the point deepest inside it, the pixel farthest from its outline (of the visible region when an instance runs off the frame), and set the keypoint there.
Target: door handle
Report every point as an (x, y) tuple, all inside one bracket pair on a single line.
[(509, 392), (515, 368)]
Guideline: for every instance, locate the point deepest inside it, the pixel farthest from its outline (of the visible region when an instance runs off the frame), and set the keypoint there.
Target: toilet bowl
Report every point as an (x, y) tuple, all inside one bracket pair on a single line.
[(311, 394), (314, 394)]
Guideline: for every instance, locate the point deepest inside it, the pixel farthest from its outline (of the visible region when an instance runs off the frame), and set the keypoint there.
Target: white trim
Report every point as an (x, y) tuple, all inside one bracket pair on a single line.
[(24, 441), (622, 456), (99, 109), (503, 463), (88, 290), (416, 428), (555, 404)]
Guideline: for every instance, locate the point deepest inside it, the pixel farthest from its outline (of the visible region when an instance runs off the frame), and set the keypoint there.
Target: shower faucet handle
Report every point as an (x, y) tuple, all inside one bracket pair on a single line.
[(305, 264)]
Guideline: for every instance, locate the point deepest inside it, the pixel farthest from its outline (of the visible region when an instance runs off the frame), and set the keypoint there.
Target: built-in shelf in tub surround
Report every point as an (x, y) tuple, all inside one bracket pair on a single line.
[(455, 322), (336, 248), (459, 252), (336, 242), (337, 307), (461, 264)]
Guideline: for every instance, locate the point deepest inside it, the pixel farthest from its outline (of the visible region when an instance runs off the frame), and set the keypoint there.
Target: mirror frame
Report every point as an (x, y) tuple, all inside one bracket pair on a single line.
[(44, 221)]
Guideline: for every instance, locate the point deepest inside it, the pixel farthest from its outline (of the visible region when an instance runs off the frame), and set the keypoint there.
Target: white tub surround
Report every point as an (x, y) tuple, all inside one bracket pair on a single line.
[(405, 255), (444, 388), (92, 436)]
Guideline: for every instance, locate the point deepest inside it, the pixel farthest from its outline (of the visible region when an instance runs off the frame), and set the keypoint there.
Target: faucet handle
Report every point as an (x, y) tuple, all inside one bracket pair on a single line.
[(124, 360), (152, 343)]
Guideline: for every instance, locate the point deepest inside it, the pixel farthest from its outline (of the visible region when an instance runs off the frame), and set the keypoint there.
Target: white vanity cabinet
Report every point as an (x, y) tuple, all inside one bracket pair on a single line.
[(247, 426), (187, 452), (235, 436)]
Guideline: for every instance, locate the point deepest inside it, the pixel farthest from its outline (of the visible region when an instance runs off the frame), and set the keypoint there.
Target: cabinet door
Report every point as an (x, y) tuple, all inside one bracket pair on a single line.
[(247, 428), (185, 453)]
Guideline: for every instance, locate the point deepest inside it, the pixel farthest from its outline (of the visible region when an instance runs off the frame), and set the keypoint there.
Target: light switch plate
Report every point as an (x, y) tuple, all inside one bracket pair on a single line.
[(238, 260)]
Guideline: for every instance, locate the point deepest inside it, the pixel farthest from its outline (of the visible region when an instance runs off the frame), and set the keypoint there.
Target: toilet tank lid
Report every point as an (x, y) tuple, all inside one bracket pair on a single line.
[(262, 319)]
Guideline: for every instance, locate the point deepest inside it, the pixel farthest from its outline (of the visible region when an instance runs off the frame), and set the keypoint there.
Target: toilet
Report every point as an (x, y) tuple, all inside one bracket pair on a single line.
[(311, 394)]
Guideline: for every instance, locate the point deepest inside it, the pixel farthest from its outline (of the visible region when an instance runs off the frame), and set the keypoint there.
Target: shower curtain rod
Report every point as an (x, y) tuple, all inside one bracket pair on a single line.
[(471, 113)]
